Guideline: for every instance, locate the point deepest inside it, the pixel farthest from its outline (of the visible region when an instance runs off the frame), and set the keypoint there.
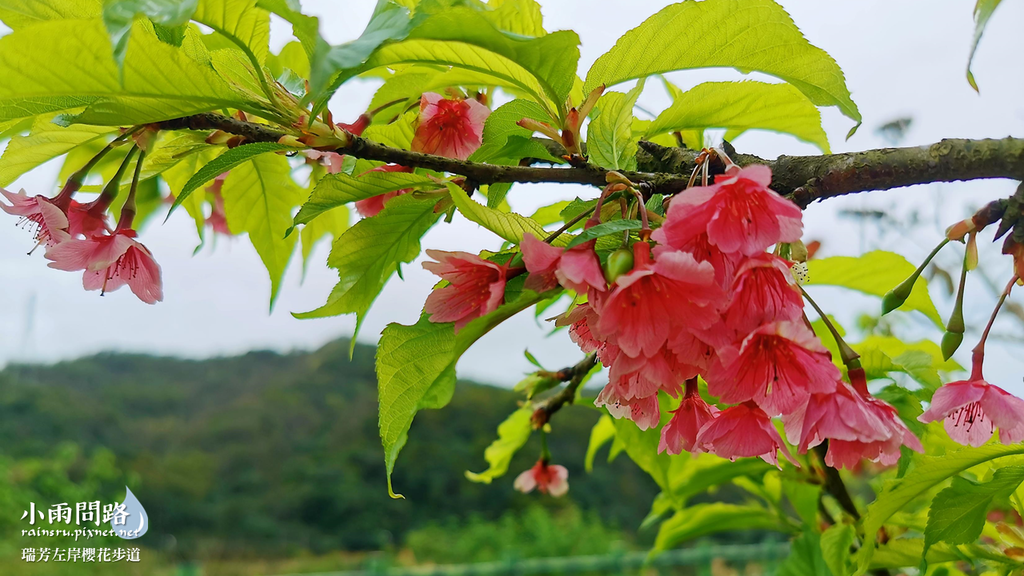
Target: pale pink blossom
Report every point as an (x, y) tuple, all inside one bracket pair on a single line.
[(42, 216), (577, 268), (449, 127), (972, 409), (475, 287), (848, 453), (652, 301), (739, 213), (693, 413), (778, 366), (548, 478), (85, 220), (110, 262), (839, 415), (742, 431), (644, 412)]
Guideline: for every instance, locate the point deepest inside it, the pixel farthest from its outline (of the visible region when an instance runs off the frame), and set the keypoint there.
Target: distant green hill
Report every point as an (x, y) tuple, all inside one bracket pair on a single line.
[(267, 453)]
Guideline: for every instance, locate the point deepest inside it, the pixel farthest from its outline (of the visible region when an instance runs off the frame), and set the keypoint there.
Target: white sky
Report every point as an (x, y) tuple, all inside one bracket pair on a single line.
[(900, 59)]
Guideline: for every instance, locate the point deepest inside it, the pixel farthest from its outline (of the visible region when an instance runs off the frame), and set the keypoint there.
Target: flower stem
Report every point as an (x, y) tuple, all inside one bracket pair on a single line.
[(850, 358), (979, 350), (128, 210), (113, 187)]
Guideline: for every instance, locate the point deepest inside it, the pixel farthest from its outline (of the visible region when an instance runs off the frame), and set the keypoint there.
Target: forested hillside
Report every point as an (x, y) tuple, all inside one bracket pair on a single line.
[(270, 454)]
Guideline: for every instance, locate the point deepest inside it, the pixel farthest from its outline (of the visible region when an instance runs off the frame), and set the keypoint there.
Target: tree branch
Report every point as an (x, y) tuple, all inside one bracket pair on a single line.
[(808, 178), (575, 375), (665, 170)]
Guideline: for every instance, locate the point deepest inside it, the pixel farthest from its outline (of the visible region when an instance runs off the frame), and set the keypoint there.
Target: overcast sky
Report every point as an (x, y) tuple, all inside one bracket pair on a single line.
[(901, 59)]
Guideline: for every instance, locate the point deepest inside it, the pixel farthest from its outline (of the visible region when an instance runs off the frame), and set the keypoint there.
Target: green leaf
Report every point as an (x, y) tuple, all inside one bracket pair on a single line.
[(330, 66), (18, 14), (957, 514), (331, 224), (118, 16), (508, 226), (874, 273), (805, 557), (692, 476), (604, 229), (921, 360), (501, 128), (339, 189), (176, 175), (305, 28), (45, 141), (242, 22), (602, 433), (982, 12), (369, 252), (642, 448), (224, 163), (741, 106), (928, 472), (512, 435), (58, 65), (521, 17), (749, 35), (258, 199), (704, 519), (610, 141), (836, 543), (416, 370)]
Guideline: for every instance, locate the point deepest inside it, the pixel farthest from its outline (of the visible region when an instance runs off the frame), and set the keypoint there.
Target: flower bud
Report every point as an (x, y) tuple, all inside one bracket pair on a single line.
[(971, 258), (619, 263), (950, 342), (895, 298), (960, 229)]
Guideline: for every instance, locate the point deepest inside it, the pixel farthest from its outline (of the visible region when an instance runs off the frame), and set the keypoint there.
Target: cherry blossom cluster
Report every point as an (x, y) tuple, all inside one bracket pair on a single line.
[(702, 298), (79, 237)]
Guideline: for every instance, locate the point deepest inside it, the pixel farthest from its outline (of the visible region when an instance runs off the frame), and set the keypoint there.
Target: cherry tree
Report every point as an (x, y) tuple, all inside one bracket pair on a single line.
[(680, 277)]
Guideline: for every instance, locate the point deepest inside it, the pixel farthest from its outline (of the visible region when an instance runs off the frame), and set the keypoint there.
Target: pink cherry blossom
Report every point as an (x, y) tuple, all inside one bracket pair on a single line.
[(839, 415), (372, 206), (972, 409), (848, 453), (451, 128), (742, 431), (85, 220), (778, 366), (763, 291), (548, 478), (48, 221), (680, 434), (577, 268), (110, 262), (700, 247), (644, 412), (476, 287), (640, 377), (653, 300), (739, 213)]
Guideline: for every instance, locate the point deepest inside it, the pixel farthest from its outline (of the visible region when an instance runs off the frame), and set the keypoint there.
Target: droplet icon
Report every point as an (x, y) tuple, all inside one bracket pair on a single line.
[(130, 520)]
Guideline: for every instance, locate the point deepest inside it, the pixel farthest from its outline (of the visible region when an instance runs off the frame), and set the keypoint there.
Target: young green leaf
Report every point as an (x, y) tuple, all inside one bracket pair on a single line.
[(982, 12), (58, 65), (508, 226), (604, 229), (602, 433), (512, 435), (17, 14), (805, 557), (331, 224), (416, 370), (246, 25), (501, 128), (224, 163), (45, 141), (749, 35), (957, 514), (741, 106), (705, 519), (336, 190), (610, 141), (118, 16), (874, 273), (836, 542), (259, 196), (928, 472), (369, 252)]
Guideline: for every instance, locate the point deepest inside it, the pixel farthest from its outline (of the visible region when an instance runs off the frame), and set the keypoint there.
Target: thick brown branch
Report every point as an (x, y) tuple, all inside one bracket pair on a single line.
[(666, 170), (809, 178)]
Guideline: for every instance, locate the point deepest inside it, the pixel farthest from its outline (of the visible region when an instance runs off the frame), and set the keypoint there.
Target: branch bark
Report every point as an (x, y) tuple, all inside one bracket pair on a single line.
[(664, 170)]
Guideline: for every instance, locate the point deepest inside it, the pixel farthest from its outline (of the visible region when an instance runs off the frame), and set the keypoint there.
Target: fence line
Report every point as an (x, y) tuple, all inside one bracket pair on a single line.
[(700, 555)]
